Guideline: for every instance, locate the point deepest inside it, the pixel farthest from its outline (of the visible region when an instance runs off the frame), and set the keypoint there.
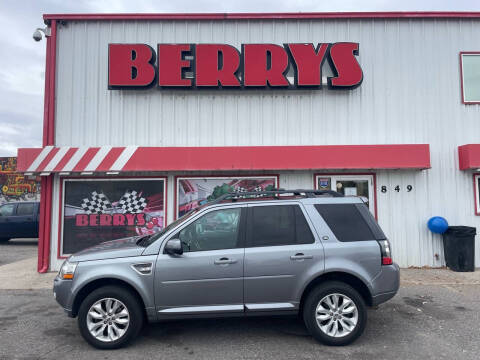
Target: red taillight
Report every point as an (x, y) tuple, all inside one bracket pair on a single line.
[(385, 252), (387, 261)]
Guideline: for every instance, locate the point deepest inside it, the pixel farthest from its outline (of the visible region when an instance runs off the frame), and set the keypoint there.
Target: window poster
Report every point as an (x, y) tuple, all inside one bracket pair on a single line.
[(95, 211), (195, 191)]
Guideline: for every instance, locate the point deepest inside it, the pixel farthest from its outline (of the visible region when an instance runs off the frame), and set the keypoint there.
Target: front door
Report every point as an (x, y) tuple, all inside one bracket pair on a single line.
[(208, 277), (281, 254), (7, 226), (25, 220)]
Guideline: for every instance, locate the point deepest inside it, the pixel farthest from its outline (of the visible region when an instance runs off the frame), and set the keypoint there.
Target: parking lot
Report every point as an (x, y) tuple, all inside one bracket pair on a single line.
[(17, 249), (436, 315)]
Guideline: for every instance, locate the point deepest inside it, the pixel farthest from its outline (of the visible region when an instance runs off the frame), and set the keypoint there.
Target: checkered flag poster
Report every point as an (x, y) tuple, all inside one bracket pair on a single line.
[(132, 203), (97, 203)]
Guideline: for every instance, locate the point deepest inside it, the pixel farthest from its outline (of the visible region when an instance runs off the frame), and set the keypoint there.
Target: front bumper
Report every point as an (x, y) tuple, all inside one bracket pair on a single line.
[(385, 286), (62, 292)]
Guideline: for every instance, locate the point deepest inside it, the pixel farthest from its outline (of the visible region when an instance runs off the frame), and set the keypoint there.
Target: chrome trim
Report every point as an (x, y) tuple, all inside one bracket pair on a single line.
[(269, 306), (202, 309)]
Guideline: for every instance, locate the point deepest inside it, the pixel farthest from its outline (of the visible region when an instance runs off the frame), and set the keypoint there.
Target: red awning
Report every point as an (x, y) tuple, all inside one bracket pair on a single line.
[(469, 157), (133, 158)]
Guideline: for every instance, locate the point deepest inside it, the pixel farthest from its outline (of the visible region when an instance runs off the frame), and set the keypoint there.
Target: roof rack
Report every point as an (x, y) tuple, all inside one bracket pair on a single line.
[(274, 193)]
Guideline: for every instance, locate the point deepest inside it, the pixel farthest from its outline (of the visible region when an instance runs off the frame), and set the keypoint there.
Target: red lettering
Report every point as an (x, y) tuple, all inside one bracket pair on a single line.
[(81, 220), (118, 219), (264, 64), (348, 73), (93, 220), (308, 63), (130, 65), (105, 220), (171, 64), (141, 219), (130, 219), (216, 65)]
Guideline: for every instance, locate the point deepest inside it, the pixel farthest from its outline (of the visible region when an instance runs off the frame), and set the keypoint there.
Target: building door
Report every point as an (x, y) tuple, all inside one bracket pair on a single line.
[(349, 185)]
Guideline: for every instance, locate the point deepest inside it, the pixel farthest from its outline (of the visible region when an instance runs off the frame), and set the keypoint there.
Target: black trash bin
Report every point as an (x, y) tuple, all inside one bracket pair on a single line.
[(459, 248)]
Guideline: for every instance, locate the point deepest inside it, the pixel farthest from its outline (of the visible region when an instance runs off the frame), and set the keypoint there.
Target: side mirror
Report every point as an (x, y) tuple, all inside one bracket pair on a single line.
[(174, 247)]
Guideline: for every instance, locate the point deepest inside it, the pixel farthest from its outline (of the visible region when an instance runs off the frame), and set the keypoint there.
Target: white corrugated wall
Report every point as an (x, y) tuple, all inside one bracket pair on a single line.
[(410, 94)]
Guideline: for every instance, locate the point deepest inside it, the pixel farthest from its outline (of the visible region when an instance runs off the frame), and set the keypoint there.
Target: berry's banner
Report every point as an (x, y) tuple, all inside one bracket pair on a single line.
[(100, 210), (193, 192)]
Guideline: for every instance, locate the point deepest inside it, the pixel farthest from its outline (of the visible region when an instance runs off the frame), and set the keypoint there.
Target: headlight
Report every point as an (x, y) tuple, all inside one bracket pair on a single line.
[(67, 271)]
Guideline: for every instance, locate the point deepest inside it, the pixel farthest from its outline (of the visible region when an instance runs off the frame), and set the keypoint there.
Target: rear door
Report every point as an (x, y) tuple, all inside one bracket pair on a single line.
[(281, 252), (26, 220)]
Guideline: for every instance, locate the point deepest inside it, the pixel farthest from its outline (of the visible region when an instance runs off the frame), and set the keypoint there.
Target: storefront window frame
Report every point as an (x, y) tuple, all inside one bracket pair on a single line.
[(476, 192), (61, 201), (179, 177), (349, 174), (467, 53)]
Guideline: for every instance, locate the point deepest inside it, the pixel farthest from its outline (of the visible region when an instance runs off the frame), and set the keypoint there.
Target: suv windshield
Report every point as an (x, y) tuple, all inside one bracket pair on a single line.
[(150, 239)]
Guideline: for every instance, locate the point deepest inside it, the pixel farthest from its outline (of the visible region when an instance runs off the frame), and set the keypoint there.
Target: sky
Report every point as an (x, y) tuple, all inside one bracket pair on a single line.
[(22, 64)]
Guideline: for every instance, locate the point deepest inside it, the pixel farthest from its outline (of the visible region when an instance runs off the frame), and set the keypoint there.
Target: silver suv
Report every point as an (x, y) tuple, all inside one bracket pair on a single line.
[(314, 253)]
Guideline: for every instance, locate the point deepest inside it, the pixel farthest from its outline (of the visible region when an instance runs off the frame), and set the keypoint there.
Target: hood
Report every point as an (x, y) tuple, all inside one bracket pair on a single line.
[(110, 249)]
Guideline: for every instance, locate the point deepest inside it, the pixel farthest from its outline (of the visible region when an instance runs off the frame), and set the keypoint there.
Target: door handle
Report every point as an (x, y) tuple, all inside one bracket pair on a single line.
[(300, 256), (224, 261)]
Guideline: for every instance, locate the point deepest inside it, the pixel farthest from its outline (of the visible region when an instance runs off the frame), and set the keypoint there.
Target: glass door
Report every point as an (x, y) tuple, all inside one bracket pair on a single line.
[(349, 185)]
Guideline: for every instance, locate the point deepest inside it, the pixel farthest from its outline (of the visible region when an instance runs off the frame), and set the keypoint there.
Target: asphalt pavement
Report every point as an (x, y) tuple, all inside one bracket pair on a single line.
[(17, 249), (421, 322)]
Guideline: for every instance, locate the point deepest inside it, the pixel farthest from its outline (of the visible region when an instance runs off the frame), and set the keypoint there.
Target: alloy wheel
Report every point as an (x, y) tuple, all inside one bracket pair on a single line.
[(336, 315), (108, 319)]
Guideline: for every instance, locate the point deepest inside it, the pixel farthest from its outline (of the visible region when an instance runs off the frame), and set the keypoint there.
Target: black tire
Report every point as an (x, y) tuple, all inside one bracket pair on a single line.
[(131, 303), (310, 309)]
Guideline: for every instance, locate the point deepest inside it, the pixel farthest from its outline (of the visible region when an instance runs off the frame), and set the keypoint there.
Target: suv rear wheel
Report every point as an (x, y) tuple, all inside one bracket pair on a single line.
[(335, 313), (110, 317)]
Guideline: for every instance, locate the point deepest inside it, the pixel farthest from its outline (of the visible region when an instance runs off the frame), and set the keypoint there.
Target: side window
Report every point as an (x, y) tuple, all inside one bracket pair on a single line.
[(213, 231), (25, 209), (347, 222), (7, 210), (278, 225)]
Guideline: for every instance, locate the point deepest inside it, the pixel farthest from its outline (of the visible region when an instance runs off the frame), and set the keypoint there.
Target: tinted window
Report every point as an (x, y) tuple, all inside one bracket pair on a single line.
[(213, 231), (346, 221), (278, 225), (25, 209), (7, 210)]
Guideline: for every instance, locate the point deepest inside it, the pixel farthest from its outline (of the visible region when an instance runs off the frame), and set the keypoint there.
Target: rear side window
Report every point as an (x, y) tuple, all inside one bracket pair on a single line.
[(25, 209), (350, 222), (278, 225)]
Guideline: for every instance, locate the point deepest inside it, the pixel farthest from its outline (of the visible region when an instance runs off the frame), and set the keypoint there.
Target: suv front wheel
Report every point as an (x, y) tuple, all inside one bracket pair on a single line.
[(110, 317), (335, 313)]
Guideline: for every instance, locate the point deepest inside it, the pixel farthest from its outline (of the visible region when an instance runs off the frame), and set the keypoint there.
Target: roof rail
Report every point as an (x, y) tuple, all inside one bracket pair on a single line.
[(274, 193)]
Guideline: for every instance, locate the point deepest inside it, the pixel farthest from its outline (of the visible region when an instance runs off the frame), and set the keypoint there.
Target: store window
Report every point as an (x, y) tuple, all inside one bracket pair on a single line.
[(98, 210), (470, 74), (349, 185), (476, 184), (193, 192)]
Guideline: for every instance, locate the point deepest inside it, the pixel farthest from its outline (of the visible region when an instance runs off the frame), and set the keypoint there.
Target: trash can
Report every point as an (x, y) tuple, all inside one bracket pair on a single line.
[(459, 248)]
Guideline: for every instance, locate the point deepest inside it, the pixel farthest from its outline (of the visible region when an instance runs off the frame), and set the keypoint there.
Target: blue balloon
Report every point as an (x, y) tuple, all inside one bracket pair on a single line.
[(437, 224)]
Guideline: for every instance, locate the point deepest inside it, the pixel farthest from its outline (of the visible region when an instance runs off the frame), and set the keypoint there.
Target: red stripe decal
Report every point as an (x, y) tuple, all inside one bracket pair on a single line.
[(82, 164), (65, 159), (47, 159), (110, 159)]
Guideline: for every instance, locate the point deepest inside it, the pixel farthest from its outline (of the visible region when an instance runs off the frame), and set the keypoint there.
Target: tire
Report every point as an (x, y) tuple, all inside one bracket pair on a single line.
[(116, 331), (335, 327)]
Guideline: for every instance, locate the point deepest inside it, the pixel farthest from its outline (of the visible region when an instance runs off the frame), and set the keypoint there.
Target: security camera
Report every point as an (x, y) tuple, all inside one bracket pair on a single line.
[(37, 35)]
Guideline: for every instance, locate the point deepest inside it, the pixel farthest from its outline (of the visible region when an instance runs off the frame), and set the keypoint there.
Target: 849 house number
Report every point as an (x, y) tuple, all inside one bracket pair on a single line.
[(397, 188)]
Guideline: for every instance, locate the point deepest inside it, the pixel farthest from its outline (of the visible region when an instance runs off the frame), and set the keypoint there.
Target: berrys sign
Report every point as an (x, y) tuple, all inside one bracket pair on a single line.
[(133, 66)]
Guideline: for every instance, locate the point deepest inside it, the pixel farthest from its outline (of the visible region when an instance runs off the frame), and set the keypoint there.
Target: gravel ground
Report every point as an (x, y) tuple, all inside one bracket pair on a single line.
[(422, 321)]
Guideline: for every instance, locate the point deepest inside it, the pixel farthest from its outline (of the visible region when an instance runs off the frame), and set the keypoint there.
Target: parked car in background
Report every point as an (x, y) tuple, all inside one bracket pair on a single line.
[(309, 252), (19, 220)]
